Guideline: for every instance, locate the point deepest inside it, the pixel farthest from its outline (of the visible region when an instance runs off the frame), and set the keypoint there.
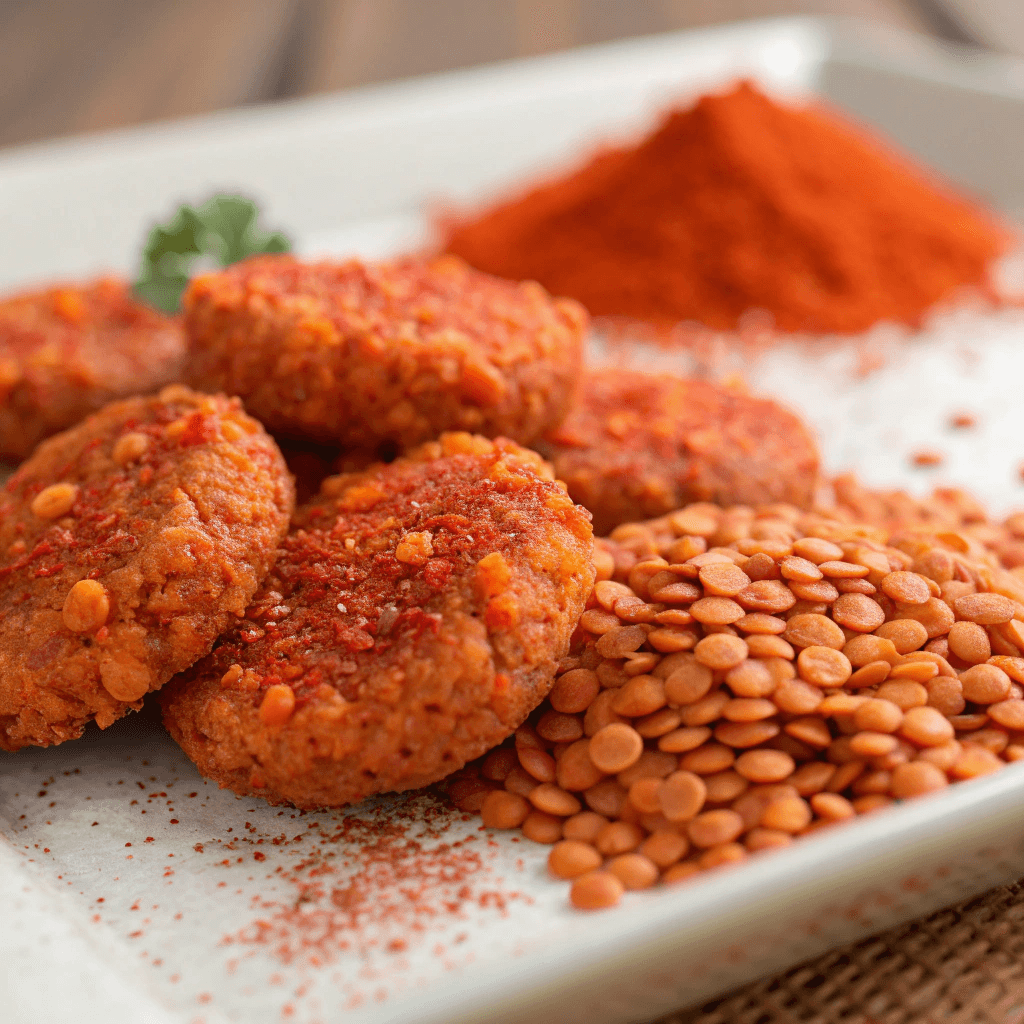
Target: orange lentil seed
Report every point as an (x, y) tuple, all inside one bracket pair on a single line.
[(926, 727), (916, 779), (767, 839), (985, 684), (969, 642), (906, 634), (552, 799), (831, 806), (641, 695), (539, 764), (574, 691), (720, 651), (634, 870), (570, 858), (596, 890), (618, 837), (681, 795), (540, 827), (765, 765), (761, 645), (584, 826), (984, 609), (787, 814), (681, 872), (664, 847), (858, 612), (504, 810), (722, 855), (277, 705), (615, 747), (712, 828), (824, 666)]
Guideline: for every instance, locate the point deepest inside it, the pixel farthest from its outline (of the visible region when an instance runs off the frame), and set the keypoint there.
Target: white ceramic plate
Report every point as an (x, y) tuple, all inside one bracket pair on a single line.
[(96, 930)]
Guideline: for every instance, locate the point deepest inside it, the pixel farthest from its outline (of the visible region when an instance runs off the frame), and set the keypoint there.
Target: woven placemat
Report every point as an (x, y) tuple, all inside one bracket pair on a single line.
[(962, 965)]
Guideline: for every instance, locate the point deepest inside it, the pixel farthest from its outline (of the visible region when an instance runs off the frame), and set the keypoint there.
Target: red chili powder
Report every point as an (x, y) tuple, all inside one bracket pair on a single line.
[(742, 203), (375, 882)]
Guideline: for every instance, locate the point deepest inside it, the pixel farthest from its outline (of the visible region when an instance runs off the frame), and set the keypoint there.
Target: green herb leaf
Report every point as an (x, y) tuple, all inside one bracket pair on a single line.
[(224, 229)]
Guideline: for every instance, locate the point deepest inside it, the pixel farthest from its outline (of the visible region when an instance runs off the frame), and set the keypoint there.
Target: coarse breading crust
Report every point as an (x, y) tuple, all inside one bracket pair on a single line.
[(70, 349), (127, 545), (356, 354), (415, 617), (638, 445)]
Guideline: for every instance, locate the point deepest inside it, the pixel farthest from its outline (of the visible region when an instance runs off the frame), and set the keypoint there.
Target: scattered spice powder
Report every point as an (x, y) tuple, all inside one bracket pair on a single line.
[(375, 880), (743, 203), (927, 457), (963, 420), (746, 676)]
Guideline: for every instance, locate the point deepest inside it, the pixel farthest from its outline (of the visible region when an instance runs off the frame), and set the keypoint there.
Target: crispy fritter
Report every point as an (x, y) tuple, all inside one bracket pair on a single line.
[(415, 616), (356, 354), (127, 545), (69, 350), (638, 445)]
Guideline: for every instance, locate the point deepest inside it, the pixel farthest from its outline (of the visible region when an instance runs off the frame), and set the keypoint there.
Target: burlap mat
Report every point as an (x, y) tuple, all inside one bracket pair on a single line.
[(962, 965)]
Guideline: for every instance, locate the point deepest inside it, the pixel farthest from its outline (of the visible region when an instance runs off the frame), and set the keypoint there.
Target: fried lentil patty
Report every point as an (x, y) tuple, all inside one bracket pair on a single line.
[(638, 445), (356, 354), (127, 545), (415, 616), (69, 350)]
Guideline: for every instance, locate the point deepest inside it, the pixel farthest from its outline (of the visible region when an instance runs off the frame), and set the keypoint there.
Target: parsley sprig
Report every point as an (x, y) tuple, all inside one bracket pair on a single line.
[(224, 229)]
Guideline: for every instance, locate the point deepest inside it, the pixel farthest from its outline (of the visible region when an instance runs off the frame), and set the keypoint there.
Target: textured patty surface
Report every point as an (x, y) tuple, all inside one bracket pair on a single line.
[(69, 350), (358, 354), (127, 545), (414, 618), (638, 445)]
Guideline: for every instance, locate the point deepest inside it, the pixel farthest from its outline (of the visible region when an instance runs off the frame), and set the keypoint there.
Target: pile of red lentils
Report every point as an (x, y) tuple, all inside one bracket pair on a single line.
[(946, 508), (743, 677)]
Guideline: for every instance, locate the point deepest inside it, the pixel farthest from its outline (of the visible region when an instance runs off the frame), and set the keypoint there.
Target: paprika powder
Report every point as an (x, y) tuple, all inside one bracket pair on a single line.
[(742, 203)]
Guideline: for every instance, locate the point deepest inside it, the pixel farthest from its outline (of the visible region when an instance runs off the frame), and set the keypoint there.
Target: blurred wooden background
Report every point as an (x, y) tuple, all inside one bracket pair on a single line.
[(71, 66)]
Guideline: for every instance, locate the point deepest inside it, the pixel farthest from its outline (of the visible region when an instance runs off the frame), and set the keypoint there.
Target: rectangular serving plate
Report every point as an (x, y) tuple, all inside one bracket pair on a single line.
[(354, 173)]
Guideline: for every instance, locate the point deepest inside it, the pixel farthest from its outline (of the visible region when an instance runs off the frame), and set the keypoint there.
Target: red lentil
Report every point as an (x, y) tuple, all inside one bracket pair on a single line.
[(634, 870), (596, 890), (571, 858)]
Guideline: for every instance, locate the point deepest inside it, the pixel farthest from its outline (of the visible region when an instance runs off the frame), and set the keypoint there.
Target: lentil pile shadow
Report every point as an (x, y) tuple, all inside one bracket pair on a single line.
[(68, 350), (746, 676), (416, 615), (638, 445), (358, 354), (127, 546)]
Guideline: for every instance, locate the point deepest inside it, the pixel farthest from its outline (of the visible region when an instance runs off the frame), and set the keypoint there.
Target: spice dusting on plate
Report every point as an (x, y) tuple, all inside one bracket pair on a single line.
[(375, 880), (741, 203), (925, 458), (963, 420), (743, 677)]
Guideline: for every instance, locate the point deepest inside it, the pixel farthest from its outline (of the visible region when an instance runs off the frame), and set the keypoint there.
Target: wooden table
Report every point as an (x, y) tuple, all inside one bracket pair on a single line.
[(80, 66)]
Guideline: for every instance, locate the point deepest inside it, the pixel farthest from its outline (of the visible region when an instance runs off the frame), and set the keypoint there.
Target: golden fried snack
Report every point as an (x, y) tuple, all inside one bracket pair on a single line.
[(415, 616), (127, 545), (638, 445), (356, 354), (69, 350)]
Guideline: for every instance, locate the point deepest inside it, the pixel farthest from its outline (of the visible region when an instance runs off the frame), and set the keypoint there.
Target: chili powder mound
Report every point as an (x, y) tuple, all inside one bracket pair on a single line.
[(742, 203)]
